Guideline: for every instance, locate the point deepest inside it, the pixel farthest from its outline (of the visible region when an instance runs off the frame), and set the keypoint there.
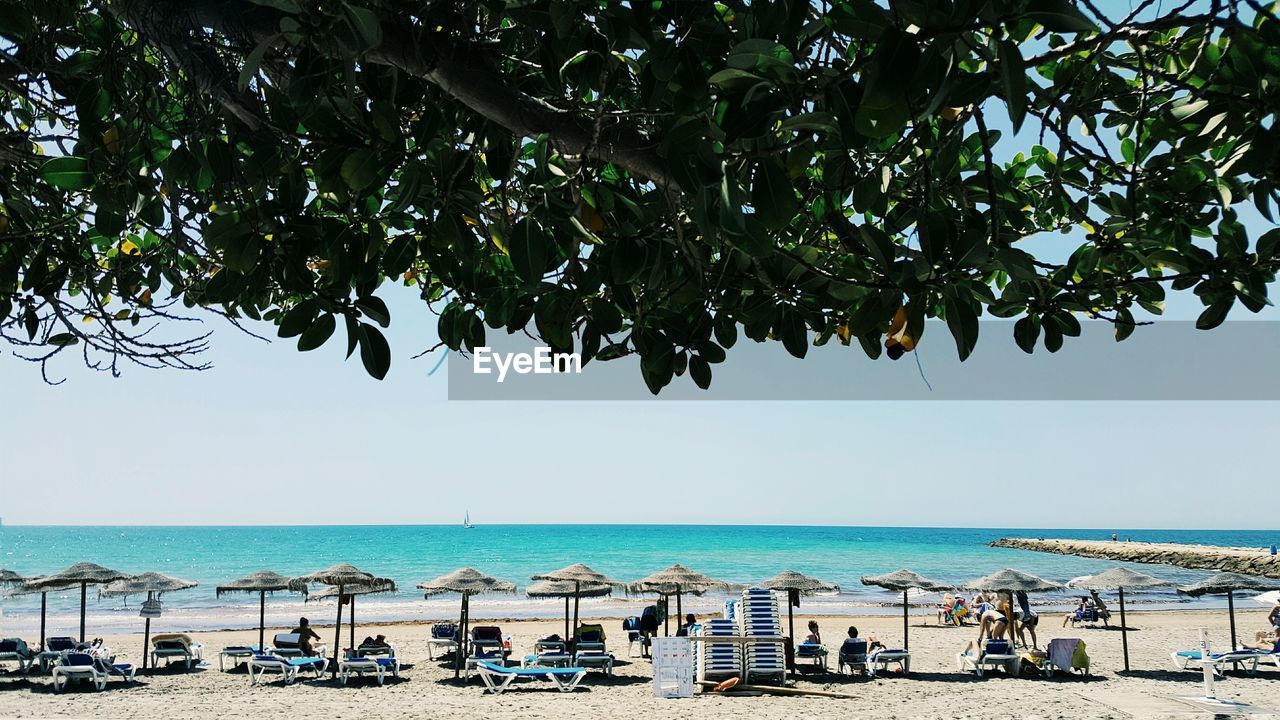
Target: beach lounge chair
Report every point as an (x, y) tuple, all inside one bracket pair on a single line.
[(1250, 659), (239, 654), (879, 660), (175, 646), (444, 637), (853, 654), (1065, 655), (758, 618), (288, 667), (83, 666), (589, 650), (361, 664), (54, 648), (487, 639), (16, 650), (290, 645), (815, 654), (992, 654), (497, 677)]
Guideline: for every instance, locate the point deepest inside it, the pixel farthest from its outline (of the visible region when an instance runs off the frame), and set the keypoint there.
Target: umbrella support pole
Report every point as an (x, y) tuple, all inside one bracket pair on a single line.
[(351, 620), (1231, 609), (262, 620), (905, 646), (146, 639), (44, 610), (1124, 632), (577, 588), (679, 610), (84, 600), (337, 634), (566, 619)]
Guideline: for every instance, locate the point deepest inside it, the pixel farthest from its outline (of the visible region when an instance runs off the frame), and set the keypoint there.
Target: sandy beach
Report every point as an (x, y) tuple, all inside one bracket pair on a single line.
[(934, 688)]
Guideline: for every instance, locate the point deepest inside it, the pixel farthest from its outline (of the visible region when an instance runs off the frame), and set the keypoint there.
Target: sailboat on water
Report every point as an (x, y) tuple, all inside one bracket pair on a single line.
[(466, 520)]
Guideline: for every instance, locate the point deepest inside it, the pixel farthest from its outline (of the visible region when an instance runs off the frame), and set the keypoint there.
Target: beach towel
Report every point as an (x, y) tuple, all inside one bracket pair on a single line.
[(1062, 651)]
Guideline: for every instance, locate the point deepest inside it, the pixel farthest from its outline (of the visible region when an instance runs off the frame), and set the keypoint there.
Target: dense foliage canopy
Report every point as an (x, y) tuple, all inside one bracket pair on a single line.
[(647, 177)]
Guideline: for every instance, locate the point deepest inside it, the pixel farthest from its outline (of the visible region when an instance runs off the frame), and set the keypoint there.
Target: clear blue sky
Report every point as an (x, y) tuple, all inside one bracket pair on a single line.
[(268, 426)]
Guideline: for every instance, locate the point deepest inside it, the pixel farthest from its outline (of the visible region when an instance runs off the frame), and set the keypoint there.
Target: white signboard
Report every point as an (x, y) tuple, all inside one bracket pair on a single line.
[(672, 667)]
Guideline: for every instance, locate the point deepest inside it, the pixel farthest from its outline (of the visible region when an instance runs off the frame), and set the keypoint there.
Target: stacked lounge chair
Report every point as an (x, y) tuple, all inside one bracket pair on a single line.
[(758, 617), (589, 650), (717, 661)]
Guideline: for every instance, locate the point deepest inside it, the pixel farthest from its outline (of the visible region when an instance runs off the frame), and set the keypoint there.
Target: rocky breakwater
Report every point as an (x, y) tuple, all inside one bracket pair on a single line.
[(1248, 561)]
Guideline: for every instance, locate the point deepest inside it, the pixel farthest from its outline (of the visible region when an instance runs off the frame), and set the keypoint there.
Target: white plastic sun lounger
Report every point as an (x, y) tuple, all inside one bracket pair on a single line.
[(498, 677), (77, 666), (289, 668), (176, 647), (360, 665), (996, 654)]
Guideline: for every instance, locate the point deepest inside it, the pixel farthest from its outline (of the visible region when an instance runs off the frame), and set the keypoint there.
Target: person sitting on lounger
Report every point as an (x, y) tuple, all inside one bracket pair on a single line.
[(687, 628), (305, 636), (379, 642), (814, 637), (1274, 617), (1076, 615), (1265, 642), (872, 643), (1103, 613)]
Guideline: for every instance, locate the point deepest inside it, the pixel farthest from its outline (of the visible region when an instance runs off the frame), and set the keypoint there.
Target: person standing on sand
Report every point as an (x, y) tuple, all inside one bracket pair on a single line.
[(305, 636)]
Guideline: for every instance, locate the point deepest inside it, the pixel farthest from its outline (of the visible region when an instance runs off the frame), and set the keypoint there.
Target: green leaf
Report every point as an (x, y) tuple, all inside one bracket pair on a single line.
[(1213, 315), (1025, 333), (700, 371), (773, 196), (1059, 16), (298, 319), (1013, 81), (793, 333), (731, 78), (62, 340), (253, 61), (375, 309), (530, 248), (657, 367), (361, 169), (884, 109), (67, 173), (962, 320), (240, 251), (367, 27), (319, 332), (400, 255), (726, 330), (374, 351)]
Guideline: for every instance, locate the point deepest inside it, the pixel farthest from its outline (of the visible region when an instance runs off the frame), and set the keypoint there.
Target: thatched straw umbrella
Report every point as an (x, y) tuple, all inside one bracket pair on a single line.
[(348, 595), (340, 576), (1229, 583), (467, 582), (1118, 579), (24, 588), (82, 574), (566, 590), (789, 580), (580, 575), (9, 577), (677, 580), (153, 584), (905, 581), (1009, 581), (261, 582)]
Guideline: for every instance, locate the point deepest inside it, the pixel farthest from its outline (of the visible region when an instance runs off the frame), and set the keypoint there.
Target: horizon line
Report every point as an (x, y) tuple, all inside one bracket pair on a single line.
[(1098, 528)]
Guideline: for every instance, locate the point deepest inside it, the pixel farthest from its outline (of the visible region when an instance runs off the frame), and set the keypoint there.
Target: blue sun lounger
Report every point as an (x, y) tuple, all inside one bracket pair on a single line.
[(497, 677)]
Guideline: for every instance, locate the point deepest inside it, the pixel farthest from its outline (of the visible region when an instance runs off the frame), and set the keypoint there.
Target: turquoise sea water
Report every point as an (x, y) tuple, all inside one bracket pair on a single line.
[(412, 554)]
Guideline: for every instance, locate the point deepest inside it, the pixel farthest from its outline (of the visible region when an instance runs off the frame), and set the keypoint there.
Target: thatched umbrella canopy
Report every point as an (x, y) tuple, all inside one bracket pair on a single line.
[(904, 581), (24, 587), (566, 590), (580, 575), (677, 580), (153, 584), (81, 574), (9, 577), (342, 576), (1010, 581), (1119, 578), (1229, 583), (261, 582), (789, 581), (467, 582)]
